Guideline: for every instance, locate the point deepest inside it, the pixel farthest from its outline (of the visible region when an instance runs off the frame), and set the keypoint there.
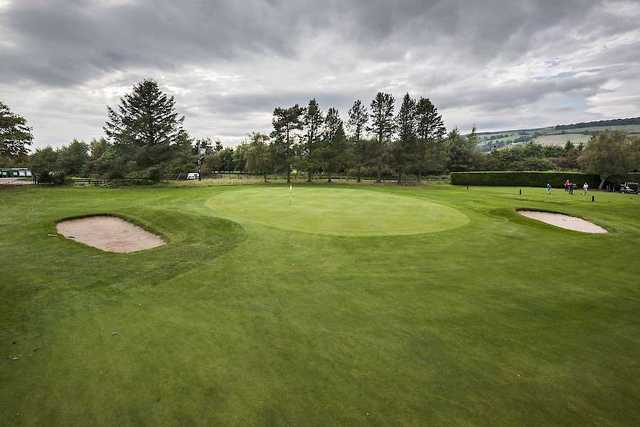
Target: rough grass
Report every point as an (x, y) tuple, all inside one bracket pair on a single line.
[(502, 321)]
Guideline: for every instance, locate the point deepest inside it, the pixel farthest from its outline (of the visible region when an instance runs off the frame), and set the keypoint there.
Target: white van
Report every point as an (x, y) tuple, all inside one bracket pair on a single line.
[(193, 175)]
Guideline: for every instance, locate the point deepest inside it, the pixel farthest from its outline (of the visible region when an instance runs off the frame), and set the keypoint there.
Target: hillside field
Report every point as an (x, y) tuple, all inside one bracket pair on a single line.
[(550, 135)]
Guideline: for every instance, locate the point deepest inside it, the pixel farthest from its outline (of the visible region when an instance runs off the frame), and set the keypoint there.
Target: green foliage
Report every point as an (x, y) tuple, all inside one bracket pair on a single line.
[(152, 174), (358, 118), (43, 162), (463, 155), (312, 122), (429, 124), (259, 155), (431, 155), (183, 158), (334, 153), (528, 157), (435, 158), (286, 123), (73, 158), (383, 126), (145, 117), (146, 138), (15, 135), (405, 149), (606, 154), (521, 178)]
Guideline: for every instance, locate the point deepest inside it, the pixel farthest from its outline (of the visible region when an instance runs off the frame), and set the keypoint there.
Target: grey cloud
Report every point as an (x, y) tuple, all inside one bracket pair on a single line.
[(61, 42), (77, 41), (251, 103), (231, 62), (509, 95)]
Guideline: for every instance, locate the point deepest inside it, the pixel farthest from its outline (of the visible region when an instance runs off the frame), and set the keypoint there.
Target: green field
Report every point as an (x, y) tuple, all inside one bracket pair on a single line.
[(330, 305), (551, 136), (561, 140)]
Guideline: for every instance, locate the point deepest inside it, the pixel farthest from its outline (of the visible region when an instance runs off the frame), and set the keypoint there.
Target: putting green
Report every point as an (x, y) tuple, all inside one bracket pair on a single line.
[(336, 211)]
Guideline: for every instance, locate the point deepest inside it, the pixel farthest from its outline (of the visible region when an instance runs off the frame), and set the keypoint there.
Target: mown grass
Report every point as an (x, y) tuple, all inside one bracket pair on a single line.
[(500, 321)]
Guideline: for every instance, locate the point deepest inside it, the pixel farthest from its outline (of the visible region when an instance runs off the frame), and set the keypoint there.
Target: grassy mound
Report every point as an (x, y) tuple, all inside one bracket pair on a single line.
[(332, 211)]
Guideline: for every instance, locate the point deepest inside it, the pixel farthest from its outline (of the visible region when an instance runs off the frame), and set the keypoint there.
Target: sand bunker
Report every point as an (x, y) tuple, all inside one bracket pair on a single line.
[(109, 233), (564, 221)]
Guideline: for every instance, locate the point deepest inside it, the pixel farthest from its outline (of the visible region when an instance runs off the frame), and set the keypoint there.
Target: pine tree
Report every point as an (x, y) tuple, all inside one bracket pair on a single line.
[(382, 126), (15, 135), (335, 148), (145, 117), (313, 121), (286, 121), (404, 150), (430, 130), (358, 118)]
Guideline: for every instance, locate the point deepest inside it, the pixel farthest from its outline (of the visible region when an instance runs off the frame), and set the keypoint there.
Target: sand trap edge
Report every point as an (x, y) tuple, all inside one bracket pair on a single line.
[(161, 236), (600, 229)]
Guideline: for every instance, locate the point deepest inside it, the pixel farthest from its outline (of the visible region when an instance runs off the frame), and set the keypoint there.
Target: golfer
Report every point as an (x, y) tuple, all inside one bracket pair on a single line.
[(585, 187), (548, 188)]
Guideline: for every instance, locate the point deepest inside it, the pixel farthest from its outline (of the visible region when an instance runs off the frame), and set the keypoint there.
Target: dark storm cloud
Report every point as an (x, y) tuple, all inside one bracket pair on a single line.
[(65, 42), (237, 60)]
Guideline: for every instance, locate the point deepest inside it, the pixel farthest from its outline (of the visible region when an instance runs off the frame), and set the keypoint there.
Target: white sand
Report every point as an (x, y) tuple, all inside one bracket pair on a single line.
[(564, 221), (109, 233)]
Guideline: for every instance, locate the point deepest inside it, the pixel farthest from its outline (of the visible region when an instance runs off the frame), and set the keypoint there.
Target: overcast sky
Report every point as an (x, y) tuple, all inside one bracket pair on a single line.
[(494, 64)]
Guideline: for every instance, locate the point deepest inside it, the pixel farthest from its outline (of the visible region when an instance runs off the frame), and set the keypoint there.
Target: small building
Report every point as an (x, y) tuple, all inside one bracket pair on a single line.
[(15, 172)]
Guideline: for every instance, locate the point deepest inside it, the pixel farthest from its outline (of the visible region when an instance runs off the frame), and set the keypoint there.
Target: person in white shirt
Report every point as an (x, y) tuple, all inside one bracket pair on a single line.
[(585, 187)]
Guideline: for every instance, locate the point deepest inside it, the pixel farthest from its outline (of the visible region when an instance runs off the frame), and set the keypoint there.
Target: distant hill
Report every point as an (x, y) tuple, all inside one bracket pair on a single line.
[(600, 123), (577, 133)]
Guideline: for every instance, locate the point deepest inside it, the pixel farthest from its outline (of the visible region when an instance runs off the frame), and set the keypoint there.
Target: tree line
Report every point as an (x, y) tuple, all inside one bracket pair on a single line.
[(145, 138)]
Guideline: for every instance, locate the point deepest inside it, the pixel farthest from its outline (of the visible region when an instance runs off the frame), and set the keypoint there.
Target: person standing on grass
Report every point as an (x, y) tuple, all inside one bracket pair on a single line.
[(585, 187), (548, 188), (566, 185)]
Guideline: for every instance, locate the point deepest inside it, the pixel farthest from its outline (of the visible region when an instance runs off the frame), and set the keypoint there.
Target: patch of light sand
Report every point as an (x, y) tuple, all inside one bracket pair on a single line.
[(564, 221), (109, 233)]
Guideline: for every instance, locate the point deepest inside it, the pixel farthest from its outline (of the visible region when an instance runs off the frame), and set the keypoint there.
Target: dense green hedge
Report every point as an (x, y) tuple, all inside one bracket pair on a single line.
[(525, 179)]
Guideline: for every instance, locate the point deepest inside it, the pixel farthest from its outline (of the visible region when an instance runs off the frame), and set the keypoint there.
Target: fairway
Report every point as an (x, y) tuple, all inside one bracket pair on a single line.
[(442, 306), (336, 211)]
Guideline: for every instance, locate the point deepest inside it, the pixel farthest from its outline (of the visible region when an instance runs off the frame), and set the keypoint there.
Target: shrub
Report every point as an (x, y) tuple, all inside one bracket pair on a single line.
[(151, 174), (58, 178), (525, 179)]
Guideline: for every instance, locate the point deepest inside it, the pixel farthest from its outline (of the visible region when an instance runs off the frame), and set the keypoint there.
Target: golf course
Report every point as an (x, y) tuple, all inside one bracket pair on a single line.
[(320, 305)]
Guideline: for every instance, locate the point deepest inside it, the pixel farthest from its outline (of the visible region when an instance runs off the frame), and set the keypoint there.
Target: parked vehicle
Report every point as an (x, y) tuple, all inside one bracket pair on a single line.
[(193, 175), (629, 188)]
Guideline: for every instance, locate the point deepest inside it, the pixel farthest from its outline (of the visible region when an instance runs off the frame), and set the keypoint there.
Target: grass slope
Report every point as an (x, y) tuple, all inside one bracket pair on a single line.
[(501, 321)]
